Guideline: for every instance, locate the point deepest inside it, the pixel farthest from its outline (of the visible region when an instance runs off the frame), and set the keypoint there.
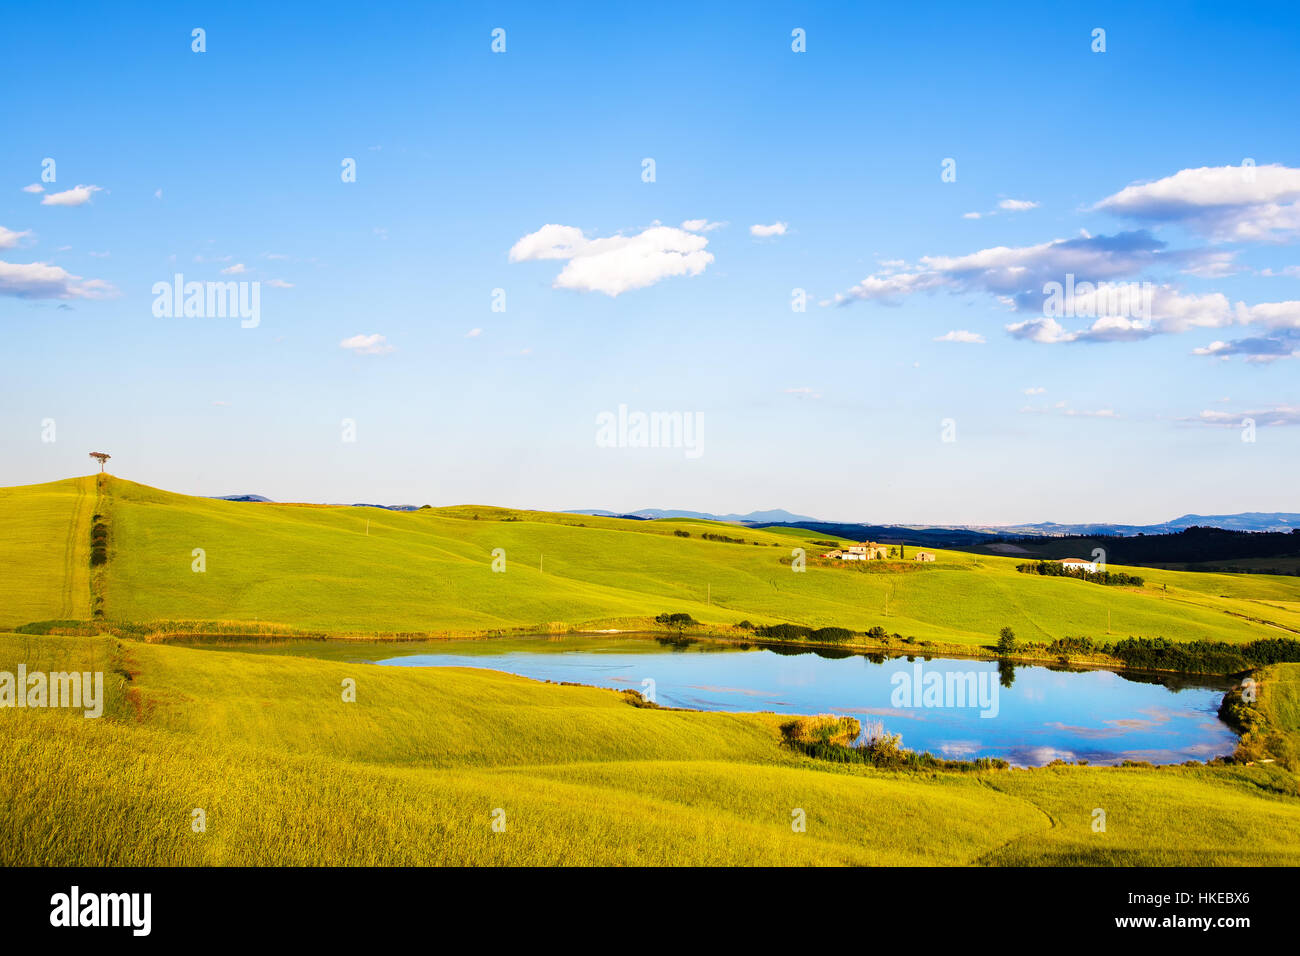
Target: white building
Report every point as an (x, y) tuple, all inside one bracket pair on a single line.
[(1079, 564)]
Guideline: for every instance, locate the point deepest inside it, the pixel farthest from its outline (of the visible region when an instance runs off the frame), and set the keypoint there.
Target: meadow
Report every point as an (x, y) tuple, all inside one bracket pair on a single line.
[(366, 571), (421, 765), (280, 768)]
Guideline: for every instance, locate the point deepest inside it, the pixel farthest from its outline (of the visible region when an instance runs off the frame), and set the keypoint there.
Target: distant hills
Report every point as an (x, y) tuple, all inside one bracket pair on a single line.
[(260, 498), (924, 533), (1246, 521), (776, 516)]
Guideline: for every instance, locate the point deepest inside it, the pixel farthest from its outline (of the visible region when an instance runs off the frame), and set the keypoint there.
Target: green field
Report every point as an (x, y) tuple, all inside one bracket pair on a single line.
[(372, 571), (412, 772), (416, 770)]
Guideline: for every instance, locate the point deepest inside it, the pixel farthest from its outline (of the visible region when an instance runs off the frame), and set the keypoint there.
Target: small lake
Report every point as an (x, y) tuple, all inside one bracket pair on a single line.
[(958, 709)]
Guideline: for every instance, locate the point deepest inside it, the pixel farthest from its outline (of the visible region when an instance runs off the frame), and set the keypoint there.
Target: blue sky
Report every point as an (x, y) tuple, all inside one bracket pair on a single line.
[(1129, 165)]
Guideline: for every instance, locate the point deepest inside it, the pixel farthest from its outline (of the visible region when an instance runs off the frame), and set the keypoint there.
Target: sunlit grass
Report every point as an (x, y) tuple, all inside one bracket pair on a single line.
[(287, 772)]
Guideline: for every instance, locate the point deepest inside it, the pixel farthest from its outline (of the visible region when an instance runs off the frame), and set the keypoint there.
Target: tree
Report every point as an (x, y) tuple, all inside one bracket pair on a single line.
[(1006, 641), (101, 458)]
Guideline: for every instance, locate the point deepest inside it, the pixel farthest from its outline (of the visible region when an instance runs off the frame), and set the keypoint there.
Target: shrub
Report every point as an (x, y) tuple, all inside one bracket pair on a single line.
[(679, 621), (823, 729), (784, 632)]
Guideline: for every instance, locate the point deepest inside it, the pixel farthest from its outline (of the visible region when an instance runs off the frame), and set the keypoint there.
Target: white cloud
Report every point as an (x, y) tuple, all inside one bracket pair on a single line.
[(1046, 331), (473, 333), (1281, 343), (616, 264), (1017, 205), (40, 280), (367, 345), (803, 392), (9, 238), (763, 232), (1273, 415), (237, 269), (960, 335), (1275, 315), (76, 196), (1169, 312), (1221, 202), (971, 215), (34, 188), (1021, 272), (701, 225), (1035, 390), (279, 284)]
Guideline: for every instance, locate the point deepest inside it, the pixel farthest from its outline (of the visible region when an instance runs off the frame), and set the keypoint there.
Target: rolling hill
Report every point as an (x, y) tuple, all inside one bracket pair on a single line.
[(419, 768), (357, 570), (421, 765)]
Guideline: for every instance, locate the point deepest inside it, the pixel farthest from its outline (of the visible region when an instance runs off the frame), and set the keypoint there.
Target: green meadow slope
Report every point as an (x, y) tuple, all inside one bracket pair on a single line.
[(45, 551), (417, 768), (368, 570)]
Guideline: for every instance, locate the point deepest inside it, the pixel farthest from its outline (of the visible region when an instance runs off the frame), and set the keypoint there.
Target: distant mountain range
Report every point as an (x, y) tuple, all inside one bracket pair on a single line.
[(777, 516), (933, 534), (1246, 521), (354, 505)]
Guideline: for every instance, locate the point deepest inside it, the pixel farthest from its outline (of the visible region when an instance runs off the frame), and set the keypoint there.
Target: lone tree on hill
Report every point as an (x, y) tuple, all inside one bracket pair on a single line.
[(1007, 643), (101, 458)]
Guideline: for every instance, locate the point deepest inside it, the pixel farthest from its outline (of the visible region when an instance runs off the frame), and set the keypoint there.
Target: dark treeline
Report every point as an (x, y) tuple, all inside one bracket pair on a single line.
[(1192, 545), (1054, 569), (797, 632), (1200, 657)]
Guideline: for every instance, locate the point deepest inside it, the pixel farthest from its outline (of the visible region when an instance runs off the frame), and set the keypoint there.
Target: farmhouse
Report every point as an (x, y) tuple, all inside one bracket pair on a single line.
[(924, 556), (867, 551), (1079, 564)]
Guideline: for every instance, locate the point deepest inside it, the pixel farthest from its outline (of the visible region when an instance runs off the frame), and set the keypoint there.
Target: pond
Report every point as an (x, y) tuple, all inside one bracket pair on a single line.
[(1028, 715)]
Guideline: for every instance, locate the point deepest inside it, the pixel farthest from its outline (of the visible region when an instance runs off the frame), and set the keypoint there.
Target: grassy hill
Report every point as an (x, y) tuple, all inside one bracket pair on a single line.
[(367, 570), (285, 772)]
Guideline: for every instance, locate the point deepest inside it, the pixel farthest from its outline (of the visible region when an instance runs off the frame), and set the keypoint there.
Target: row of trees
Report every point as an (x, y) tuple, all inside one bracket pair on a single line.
[(1054, 569)]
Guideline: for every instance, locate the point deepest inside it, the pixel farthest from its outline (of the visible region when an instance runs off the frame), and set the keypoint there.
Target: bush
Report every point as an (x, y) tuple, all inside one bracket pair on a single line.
[(823, 729), (784, 632), (678, 620)]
